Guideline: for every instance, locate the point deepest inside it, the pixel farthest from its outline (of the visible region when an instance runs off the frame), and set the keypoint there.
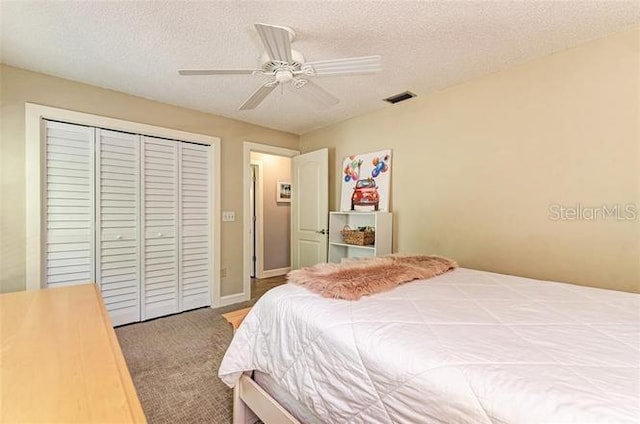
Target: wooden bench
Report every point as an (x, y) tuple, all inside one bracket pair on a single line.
[(235, 318)]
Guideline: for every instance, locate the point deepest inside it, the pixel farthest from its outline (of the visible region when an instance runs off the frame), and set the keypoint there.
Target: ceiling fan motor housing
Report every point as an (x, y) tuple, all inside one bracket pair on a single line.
[(273, 66)]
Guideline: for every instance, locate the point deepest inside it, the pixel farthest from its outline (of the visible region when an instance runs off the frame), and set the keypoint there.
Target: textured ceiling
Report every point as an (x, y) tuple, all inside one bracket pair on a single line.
[(137, 46)]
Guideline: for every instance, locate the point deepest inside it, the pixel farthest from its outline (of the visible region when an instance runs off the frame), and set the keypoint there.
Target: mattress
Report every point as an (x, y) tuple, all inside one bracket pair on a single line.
[(464, 347)]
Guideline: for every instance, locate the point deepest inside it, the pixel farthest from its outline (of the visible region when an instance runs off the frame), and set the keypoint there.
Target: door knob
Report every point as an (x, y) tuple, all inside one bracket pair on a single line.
[(322, 231)]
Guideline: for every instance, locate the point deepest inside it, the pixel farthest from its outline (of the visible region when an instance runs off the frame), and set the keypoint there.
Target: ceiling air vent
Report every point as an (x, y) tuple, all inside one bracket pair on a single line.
[(406, 95)]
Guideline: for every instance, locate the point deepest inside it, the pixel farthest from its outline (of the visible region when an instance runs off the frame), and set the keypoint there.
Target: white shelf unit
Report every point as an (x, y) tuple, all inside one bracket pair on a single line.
[(380, 221)]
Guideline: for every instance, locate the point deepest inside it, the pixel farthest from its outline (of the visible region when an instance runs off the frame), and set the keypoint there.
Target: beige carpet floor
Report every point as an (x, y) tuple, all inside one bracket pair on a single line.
[(174, 363)]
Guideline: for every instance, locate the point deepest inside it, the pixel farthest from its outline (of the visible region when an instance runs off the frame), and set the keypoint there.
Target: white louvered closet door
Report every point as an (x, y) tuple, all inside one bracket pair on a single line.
[(118, 210), (195, 222), (69, 214), (159, 222)]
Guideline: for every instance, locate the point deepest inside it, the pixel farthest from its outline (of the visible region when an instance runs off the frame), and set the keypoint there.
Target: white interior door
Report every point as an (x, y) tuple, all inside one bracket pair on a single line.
[(159, 222), (117, 215), (309, 208), (195, 233), (69, 205)]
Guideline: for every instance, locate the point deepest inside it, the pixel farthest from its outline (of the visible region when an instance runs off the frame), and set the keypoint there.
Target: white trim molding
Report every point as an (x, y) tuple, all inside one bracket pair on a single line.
[(232, 299), (249, 147), (259, 213), (275, 272), (34, 141)]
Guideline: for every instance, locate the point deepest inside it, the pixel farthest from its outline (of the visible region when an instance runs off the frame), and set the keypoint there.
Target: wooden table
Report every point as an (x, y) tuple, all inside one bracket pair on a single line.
[(60, 360)]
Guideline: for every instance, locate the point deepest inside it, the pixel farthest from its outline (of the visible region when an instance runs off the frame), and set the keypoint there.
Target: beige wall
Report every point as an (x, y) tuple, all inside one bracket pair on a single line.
[(276, 216), (19, 86), (476, 166)]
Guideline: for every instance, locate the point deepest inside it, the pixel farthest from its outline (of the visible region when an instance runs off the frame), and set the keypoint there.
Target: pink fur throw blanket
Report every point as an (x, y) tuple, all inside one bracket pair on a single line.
[(364, 277)]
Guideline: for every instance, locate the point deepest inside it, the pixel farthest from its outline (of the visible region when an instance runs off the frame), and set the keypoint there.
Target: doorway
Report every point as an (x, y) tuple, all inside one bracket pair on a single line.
[(271, 218), (268, 234)]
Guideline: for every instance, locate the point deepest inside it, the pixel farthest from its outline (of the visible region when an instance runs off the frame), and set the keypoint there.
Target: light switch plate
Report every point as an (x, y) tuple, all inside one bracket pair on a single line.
[(228, 216)]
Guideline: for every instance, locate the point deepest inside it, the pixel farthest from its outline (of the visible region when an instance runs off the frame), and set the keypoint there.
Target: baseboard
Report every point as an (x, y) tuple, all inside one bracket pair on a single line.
[(232, 299), (274, 272)]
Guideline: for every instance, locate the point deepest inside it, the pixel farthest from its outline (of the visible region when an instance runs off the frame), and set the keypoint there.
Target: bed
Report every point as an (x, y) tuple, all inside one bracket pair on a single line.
[(463, 347)]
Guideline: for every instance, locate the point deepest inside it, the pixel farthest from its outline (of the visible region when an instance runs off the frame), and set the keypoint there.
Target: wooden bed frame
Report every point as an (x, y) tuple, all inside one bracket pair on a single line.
[(250, 401)]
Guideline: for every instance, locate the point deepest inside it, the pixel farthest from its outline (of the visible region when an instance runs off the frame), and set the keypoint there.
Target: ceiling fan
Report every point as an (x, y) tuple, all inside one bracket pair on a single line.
[(289, 69)]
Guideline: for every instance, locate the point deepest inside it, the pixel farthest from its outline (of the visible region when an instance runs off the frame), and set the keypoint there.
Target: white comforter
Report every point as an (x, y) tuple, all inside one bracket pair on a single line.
[(464, 347)]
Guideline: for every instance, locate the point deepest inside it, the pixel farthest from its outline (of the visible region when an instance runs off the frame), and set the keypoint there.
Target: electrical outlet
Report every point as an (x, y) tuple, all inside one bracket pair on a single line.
[(228, 216), (223, 272)]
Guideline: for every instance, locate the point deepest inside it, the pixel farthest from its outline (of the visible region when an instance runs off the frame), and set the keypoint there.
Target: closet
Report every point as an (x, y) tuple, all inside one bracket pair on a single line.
[(131, 213)]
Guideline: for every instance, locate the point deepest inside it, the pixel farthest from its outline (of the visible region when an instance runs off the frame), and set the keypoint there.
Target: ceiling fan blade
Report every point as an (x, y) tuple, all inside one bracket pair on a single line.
[(217, 71), (276, 40), (352, 65), (316, 94), (258, 96)]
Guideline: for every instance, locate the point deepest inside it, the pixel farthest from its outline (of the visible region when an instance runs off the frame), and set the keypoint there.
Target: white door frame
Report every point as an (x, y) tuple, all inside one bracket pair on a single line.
[(34, 160), (259, 214), (249, 147)]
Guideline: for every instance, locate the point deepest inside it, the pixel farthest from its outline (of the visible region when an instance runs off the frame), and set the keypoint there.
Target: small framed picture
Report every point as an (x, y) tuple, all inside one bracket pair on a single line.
[(283, 191)]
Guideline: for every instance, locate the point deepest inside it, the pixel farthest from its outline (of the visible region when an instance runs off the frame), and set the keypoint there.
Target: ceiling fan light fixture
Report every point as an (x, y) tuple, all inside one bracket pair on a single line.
[(284, 76)]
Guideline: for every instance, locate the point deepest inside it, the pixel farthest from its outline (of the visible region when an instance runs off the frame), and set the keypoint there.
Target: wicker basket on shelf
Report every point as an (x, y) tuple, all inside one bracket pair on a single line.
[(363, 236)]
